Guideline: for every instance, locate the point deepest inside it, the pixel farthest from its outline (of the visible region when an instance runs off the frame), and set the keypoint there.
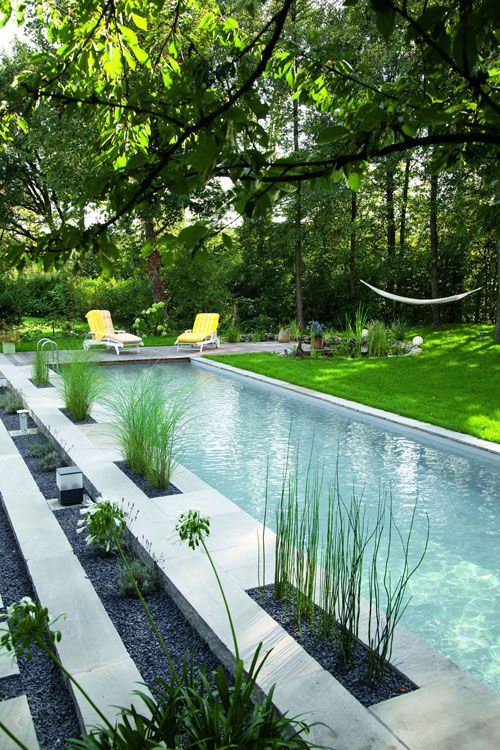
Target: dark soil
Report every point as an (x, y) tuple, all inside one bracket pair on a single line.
[(88, 419), (48, 385), (45, 479), (128, 616), (49, 700), (325, 653), (144, 484)]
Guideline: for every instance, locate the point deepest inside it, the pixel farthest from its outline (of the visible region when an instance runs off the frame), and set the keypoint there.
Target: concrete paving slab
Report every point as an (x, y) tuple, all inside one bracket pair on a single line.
[(472, 716), (208, 501), (16, 716)]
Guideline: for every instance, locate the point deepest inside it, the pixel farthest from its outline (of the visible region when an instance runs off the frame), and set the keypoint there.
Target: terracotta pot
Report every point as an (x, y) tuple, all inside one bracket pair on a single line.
[(318, 342)]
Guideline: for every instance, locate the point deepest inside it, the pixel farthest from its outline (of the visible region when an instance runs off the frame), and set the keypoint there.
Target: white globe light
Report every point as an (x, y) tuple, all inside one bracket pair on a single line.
[(417, 341), (364, 333)]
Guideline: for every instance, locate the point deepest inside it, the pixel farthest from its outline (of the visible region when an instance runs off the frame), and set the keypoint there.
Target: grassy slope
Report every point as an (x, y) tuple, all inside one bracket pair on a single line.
[(454, 383)]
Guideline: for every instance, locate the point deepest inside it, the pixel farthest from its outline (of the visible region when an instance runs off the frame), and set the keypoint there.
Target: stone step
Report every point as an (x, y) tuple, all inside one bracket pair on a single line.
[(15, 714)]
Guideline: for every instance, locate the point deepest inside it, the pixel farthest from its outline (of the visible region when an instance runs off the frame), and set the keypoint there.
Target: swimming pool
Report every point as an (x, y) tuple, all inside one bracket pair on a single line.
[(237, 427)]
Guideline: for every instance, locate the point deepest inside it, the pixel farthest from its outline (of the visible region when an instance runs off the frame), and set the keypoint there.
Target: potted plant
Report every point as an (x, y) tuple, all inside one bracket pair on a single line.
[(9, 336), (316, 330)]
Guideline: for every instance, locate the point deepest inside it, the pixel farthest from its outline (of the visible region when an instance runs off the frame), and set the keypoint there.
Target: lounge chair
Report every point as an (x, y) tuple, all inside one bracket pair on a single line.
[(104, 334), (203, 332)]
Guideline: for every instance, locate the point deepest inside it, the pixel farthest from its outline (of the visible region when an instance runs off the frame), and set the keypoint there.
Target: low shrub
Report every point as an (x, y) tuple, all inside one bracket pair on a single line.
[(146, 578), (44, 450), (151, 321), (232, 335), (11, 402), (81, 383)]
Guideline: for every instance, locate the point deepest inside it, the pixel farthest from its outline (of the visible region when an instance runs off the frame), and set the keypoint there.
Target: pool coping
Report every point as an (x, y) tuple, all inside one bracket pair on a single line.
[(413, 425), (301, 684)]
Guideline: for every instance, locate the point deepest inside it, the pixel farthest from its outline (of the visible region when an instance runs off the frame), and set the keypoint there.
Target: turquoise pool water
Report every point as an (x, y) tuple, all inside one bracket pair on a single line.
[(238, 426)]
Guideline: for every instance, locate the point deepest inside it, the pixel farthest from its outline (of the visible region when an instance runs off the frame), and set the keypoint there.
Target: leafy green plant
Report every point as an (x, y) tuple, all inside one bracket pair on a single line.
[(399, 329), (145, 575), (40, 368), (232, 335), (149, 427), (378, 339), (10, 402), (81, 383), (104, 524), (151, 321)]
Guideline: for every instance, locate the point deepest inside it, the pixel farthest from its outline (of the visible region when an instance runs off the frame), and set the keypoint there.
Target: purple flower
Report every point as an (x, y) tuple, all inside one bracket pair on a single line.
[(315, 328)]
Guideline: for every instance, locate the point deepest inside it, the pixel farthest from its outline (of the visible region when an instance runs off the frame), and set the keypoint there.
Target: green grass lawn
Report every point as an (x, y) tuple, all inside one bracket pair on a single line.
[(454, 383), (67, 335)]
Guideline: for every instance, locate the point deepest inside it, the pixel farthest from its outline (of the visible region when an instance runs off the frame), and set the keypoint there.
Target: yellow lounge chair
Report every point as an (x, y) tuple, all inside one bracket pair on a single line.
[(203, 332), (103, 333)]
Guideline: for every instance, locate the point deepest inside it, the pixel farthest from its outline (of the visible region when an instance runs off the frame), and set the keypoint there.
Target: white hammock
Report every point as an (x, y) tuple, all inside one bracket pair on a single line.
[(414, 301)]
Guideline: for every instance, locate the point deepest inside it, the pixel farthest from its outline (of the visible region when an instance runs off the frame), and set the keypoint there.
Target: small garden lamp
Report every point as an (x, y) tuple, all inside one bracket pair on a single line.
[(69, 482), (23, 421)]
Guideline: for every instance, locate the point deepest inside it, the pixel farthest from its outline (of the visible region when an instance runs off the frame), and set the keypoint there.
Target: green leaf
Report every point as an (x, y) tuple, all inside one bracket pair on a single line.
[(190, 236), (227, 240), (139, 21), (332, 133), (354, 180)]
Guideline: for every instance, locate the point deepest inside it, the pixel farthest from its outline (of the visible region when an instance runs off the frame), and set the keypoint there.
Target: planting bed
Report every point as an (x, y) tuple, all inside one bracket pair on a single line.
[(128, 616), (49, 700), (11, 421), (351, 677), (88, 419), (45, 479), (144, 484), (49, 385)]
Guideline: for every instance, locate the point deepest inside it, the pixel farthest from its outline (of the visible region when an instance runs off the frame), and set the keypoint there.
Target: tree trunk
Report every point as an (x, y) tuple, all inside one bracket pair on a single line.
[(352, 252), (404, 207), (391, 224), (153, 262), (299, 303), (434, 242)]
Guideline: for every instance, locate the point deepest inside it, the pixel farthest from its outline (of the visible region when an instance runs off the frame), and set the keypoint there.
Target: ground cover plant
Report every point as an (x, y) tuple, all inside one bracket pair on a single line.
[(81, 383), (10, 402), (452, 384)]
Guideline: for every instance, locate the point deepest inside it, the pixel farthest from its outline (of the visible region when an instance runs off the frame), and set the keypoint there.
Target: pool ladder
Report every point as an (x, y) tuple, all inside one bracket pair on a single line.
[(54, 360)]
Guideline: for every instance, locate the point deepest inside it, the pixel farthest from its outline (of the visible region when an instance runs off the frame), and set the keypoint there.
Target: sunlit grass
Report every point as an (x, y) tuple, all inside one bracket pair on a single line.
[(454, 383)]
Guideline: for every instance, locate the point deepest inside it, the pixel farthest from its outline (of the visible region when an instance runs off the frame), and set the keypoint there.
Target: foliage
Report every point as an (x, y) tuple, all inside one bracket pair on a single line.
[(434, 389), (145, 575), (399, 329), (81, 383), (152, 320), (231, 335), (315, 328), (103, 524), (11, 402), (150, 423), (10, 304), (379, 343), (44, 450), (40, 368)]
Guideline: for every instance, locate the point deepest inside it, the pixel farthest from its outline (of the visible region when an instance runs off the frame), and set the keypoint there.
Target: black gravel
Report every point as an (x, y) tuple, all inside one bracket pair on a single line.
[(128, 616), (11, 421), (144, 484), (88, 419), (352, 677), (45, 479), (49, 385), (48, 698)]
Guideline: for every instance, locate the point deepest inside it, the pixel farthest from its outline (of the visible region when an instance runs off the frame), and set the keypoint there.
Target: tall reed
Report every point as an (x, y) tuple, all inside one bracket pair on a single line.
[(150, 420), (379, 341), (40, 367), (81, 383)]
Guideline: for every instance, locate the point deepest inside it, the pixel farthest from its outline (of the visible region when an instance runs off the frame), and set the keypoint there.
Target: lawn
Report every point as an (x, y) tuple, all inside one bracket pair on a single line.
[(67, 335), (454, 383)]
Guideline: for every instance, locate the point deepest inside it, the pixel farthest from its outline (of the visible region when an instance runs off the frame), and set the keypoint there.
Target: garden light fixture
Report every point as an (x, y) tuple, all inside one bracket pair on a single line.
[(69, 482), (23, 421)]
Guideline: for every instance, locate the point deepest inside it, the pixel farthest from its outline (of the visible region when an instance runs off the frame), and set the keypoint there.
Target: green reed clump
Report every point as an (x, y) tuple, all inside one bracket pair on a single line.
[(382, 585), (81, 383), (379, 339), (40, 368), (149, 426)]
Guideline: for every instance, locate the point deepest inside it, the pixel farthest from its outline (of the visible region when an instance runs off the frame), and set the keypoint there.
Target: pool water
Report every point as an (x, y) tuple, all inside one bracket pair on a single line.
[(238, 427)]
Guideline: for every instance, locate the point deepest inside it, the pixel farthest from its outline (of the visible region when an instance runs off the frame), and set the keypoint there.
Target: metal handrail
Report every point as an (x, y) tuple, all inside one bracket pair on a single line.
[(54, 352)]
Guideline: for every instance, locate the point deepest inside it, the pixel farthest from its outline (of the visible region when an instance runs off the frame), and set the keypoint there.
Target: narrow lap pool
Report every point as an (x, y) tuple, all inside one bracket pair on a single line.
[(239, 426)]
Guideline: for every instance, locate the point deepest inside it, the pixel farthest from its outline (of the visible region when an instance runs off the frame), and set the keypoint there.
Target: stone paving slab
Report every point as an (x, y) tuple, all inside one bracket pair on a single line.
[(15, 714), (471, 710)]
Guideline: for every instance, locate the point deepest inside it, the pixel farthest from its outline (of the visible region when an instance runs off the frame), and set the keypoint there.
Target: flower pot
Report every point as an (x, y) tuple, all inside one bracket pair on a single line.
[(8, 347), (318, 342)]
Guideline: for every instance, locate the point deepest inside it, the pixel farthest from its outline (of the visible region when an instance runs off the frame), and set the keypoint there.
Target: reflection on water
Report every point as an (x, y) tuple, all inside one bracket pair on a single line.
[(238, 427)]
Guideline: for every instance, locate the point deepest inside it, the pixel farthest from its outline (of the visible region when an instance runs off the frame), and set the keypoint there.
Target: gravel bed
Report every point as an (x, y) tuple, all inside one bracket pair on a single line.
[(45, 479), (128, 616), (88, 419), (352, 677), (50, 703), (49, 385), (144, 484)]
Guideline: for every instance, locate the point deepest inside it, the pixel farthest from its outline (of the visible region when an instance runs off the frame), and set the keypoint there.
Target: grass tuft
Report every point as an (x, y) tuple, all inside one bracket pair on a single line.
[(81, 383)]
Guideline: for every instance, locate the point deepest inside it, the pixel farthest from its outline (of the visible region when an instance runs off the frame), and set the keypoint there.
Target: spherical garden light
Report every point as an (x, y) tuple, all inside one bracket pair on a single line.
[(417, 341)]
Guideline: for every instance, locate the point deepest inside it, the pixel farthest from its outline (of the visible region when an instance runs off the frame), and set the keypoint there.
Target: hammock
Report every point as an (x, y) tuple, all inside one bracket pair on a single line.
[(413, 301)]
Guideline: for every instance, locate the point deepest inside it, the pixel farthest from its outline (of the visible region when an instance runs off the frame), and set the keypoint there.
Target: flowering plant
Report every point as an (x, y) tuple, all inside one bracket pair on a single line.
[(315, 328)]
